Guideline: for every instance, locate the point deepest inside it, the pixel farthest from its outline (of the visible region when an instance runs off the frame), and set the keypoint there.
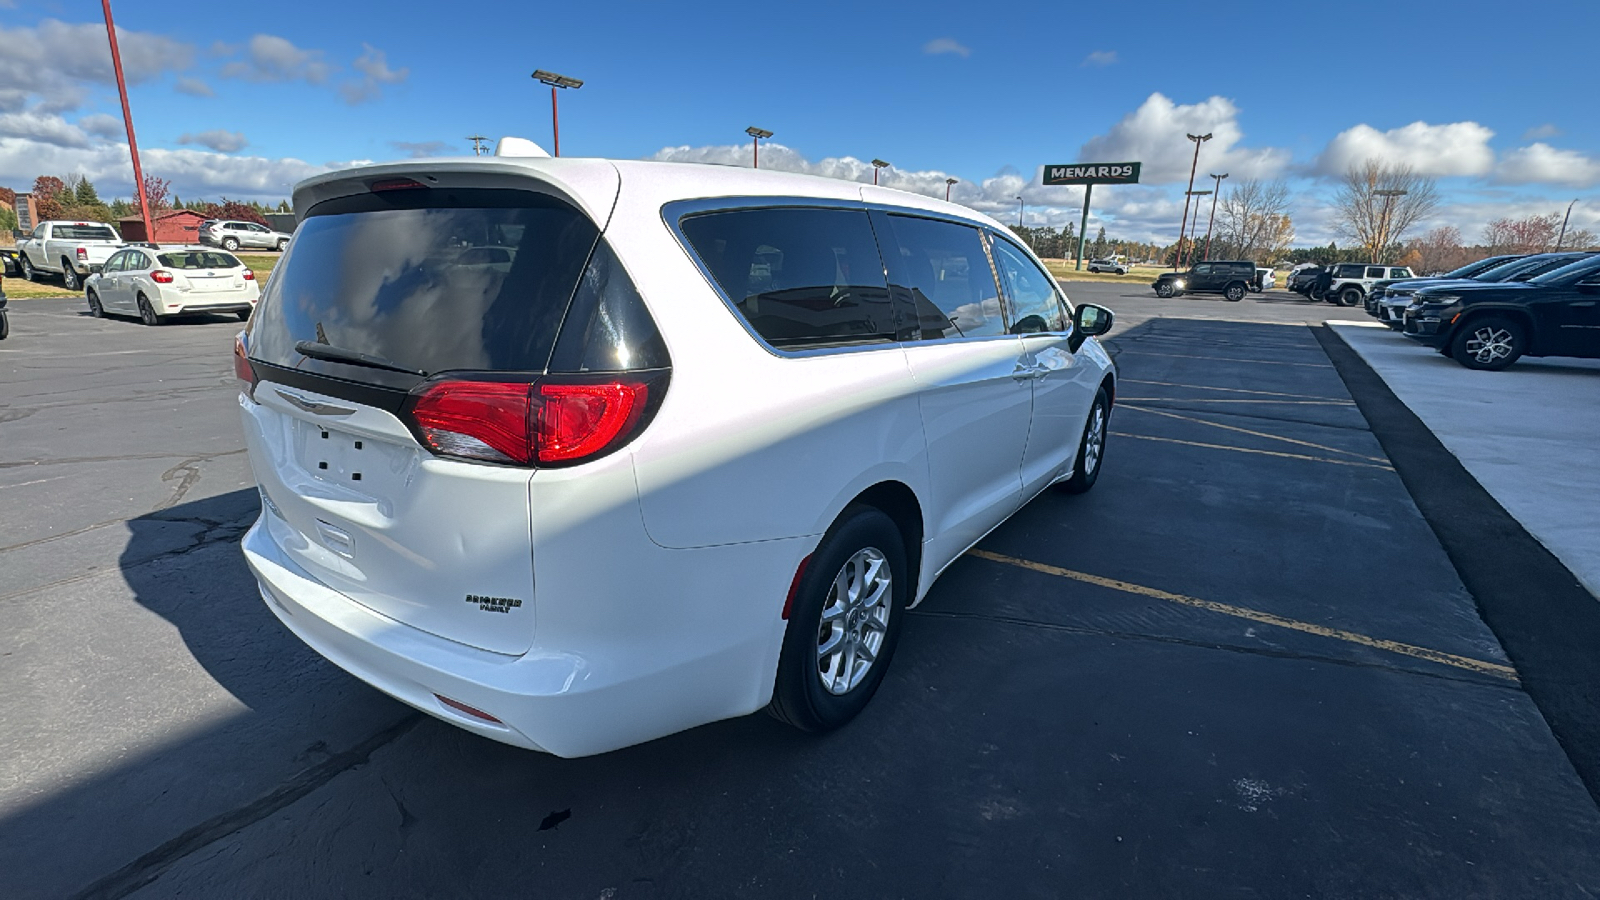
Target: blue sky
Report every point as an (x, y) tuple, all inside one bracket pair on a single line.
[(243, 100)]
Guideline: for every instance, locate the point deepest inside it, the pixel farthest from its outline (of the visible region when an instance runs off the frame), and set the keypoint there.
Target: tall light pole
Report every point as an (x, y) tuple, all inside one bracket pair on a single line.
[(950, 181), (1195, 228), (477, 144), (556, 81), (876, 165), (756, 134), (1198, 139), (1563, 235), (127, 120), (1213, 220), (1388, 195)]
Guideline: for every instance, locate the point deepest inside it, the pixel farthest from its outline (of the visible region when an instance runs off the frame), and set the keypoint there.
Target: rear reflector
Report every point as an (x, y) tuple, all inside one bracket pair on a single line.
[(472, 711), (794, 586)]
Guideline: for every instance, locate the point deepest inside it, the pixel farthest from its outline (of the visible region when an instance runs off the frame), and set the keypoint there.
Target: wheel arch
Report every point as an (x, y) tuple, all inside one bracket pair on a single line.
[(1520, 314), (899, 502)]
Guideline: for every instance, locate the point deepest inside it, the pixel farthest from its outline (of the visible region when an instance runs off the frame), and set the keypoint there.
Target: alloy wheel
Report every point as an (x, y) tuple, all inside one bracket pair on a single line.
[(1094, 440), (1489, 344), (855, 619)]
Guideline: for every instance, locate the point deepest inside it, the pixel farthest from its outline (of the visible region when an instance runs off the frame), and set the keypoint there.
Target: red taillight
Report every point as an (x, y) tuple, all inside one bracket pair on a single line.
[(242, 369), (538, 423), (579, 420), (161, 276), (249, 275), (83, 253), (485, 420), (396, 184)]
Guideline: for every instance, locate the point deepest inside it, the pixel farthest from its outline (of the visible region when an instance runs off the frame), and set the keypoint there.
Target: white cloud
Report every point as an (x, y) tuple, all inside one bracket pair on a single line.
[(1541, 132), (102, 126), (269, 58), (1541, 163), (217, 139), (53, 59), (1453, 149), (41, 129), (196, 173), (194, 87), (1100, 58), (946, 45), (421, 149), (1154, 135), (373, 64)]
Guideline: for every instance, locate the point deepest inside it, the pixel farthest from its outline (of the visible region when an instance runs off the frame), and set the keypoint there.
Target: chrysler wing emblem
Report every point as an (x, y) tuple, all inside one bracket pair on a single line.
[(315, 408)]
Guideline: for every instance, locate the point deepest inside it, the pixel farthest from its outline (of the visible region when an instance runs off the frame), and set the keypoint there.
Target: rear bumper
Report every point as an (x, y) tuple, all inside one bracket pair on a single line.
[(617, 690)]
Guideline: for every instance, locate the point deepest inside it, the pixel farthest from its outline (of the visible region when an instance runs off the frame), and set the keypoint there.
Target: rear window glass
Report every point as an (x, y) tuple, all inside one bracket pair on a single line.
[(428, 280), (951, 281), (800, 277), (83, 233), (198, 259)]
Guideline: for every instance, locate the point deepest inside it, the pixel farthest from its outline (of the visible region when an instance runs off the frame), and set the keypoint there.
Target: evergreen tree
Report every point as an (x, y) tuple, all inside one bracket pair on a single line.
[(283, 207), (85, 193)]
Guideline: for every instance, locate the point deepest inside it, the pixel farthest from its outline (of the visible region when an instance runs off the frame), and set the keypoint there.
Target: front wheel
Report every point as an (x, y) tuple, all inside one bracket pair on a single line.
[(1234, 292), (1164, 291), (844, 623), (1492, 343), (243, 314), (95, 309), (1092, 449)]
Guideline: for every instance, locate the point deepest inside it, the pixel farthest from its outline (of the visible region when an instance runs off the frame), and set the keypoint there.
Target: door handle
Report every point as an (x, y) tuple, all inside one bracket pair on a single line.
[(1026, 373)]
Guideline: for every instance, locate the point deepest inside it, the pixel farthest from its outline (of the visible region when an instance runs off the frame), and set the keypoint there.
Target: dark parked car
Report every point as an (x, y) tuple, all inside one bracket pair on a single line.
[(1300, 282), (1230, 278), (1392, 305), (1491, 326), (1470, 270)]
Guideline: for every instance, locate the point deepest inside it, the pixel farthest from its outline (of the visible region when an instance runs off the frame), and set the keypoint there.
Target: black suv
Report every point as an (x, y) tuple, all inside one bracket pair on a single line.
[(1490, 326), (1230, 278)]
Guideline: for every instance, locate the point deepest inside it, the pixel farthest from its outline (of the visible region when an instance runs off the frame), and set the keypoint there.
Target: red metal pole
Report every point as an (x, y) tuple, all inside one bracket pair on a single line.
[(1177, 259), (555, 122), (127, 120), (1211, 221)]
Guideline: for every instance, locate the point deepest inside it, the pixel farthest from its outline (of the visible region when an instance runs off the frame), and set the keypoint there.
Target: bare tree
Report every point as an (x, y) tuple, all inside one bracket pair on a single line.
[(1440, 250), (1534, 234), (1579, 239), (1254, 221), (1367, 211)]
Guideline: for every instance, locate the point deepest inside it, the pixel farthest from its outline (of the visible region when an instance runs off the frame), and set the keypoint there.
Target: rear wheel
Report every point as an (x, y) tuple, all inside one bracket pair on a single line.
[(5, 325), (95, 309), (29, 273), (1349, 296), (281, 245), (230, 244), (69, 276), (844, 623), (1092, 449), (147, 313), (1164, 290), (1234, 292), (243, 314), (1491, 342)]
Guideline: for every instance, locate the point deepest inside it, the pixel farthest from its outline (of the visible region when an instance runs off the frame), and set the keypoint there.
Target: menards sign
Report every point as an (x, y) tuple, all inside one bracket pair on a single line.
[(1093, 173)]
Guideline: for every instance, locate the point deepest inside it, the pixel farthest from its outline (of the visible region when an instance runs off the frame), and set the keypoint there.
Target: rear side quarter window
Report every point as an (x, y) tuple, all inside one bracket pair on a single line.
[(947, 272)]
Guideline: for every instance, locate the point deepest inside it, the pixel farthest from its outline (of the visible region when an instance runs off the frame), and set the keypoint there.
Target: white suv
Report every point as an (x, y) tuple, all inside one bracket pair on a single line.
[(1350, 282), (232, 235), (577, 453)]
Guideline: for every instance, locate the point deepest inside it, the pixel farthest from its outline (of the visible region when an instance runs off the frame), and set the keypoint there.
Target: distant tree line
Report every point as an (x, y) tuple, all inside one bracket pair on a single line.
[(75, 197)]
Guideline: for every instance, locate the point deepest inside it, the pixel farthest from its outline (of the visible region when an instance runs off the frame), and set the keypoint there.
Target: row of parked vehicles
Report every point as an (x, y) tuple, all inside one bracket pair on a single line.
[(72, 251), (1490, 313)]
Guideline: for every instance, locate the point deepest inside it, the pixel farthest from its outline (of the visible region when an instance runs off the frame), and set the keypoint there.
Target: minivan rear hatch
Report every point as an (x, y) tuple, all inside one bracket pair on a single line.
[(382, 289)]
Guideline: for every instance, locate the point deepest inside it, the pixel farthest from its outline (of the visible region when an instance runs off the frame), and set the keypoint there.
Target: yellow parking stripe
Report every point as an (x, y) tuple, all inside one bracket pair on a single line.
[(1264, 362), (1207, 387), (1259, 434), (1321, 459), (1479, 666)]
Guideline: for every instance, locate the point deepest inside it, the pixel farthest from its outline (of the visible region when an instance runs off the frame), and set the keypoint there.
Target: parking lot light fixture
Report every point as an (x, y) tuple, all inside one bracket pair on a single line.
[(876, 165), (556, 82), (1177, 258), (756, 134), (949, 181)]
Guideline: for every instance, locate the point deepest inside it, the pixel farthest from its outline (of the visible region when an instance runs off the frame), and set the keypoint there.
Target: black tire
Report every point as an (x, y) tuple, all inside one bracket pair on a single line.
[(1091, 447), (230, 244), (69, 276), (147, 313), (1489, 342), (29, 273), (799, 696), (1234, 292), (243, 314), (95, 309), (5, 325), (1164, 291), (1350, 296)]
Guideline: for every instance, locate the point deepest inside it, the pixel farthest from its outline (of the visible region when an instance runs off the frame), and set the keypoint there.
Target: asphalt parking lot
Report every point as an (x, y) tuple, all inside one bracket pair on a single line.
[(1243, 666)]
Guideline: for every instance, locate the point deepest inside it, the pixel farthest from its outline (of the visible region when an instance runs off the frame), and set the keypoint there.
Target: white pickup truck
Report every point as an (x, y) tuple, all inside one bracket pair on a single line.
[(70, 249)]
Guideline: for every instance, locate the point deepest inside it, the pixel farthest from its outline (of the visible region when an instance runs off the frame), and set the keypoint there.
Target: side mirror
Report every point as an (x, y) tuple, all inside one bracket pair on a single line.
[(1091, 320)]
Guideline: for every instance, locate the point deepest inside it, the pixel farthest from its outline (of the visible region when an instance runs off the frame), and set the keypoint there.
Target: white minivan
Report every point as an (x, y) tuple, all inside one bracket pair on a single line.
[(578, 453)]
